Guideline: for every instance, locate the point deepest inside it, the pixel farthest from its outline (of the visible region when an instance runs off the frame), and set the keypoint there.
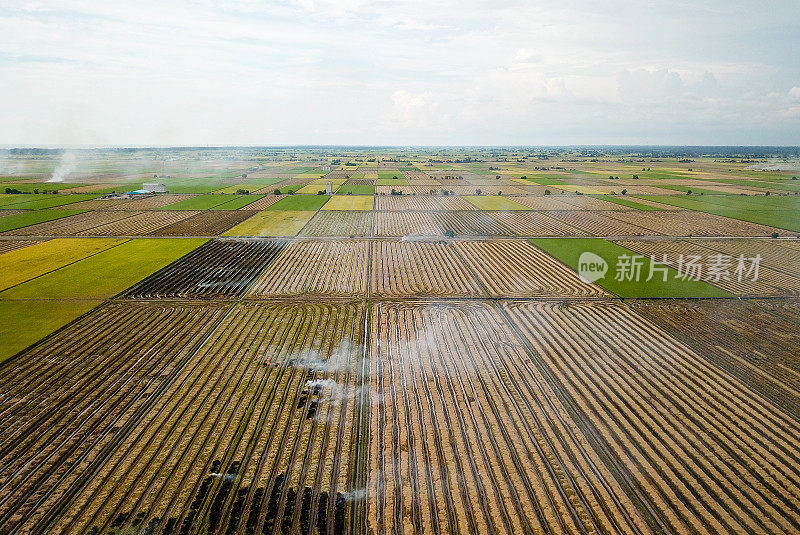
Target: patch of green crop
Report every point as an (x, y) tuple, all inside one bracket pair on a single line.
[(26, 219), (23, 323), (301, 203), (629, 203), (107, 273), (356, 189), (774, 211), (237, 201)]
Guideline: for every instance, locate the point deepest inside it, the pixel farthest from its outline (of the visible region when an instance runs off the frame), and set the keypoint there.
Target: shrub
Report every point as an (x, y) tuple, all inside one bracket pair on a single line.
[(449, 233)]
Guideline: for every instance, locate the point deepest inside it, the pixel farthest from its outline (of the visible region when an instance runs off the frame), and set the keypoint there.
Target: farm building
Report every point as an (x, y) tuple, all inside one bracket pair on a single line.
[(155, 188)]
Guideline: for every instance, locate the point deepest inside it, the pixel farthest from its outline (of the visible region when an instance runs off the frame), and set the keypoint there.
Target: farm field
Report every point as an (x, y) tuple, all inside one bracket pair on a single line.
[(272, 223), (428, 360)]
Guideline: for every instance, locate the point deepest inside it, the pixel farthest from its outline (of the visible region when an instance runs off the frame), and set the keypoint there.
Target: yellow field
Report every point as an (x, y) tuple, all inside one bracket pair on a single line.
[(272, 223), (319, 185), (24, 264), (310, 175), (24, 322), (586, 190), (349, 202)]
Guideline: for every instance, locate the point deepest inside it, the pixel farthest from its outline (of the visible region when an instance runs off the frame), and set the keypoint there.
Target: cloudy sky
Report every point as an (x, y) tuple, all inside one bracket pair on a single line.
[(399, 72)]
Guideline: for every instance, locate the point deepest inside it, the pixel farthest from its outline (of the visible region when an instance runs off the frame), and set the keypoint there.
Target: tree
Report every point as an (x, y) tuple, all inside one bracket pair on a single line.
[(449, 233), (277, 191), (547, 192), (688, 192), (478, 191), (625, 191)]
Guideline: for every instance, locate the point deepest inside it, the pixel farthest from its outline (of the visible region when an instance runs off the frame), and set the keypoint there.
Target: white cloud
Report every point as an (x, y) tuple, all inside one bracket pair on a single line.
[(400, 71)]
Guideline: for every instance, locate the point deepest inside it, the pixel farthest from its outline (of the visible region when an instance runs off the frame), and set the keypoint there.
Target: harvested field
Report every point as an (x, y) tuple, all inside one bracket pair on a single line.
[(406, 224), (154, 202), (339, 223), (12, 245), (316, 268), (466, 435), (601, 223), (530, 223), (263, 203), (407, 203), (72, 225), (770, 280), (475, 223), (207, 223), (139, 224), (219, 268), (731, 336), (623, 376), (272, 398), (547, 202), (486, 202), (516, 268), (690, 223), (420, 269)]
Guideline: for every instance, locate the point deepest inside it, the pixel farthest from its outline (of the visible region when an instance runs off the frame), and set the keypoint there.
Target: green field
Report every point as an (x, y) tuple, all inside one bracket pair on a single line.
[(23, 323), (26, 219), (252, 187), (694, 190), (301, 203), (120, 266), (569, 250), (400, 181), (238, 201), (30, 187), (790, 185), (629, 203), (20, 265), (39, 202), (356, 189), (774, 211), (273, 223), (494, 202), (289, 188)]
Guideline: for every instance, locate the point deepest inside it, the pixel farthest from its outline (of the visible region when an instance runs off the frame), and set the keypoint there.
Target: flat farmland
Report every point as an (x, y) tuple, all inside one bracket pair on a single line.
[(420, 269), (272, 223), (623, 377), (316, 268), (217, 268), (339, 223), (435, 360), (467, 436)]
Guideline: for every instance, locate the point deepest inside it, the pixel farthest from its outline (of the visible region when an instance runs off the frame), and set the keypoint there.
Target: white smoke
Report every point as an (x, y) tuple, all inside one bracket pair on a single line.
[(68, 163)]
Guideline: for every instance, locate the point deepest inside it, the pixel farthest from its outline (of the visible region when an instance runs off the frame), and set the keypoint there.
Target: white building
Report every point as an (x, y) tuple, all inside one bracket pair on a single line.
[(155, 188)]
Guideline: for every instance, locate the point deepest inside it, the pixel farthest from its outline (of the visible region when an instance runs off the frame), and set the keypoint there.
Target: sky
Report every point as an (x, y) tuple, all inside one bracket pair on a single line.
[(405, 72)]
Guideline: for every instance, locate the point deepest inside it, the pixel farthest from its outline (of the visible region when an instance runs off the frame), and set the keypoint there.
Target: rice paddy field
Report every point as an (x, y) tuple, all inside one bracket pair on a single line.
[(521, 341)]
